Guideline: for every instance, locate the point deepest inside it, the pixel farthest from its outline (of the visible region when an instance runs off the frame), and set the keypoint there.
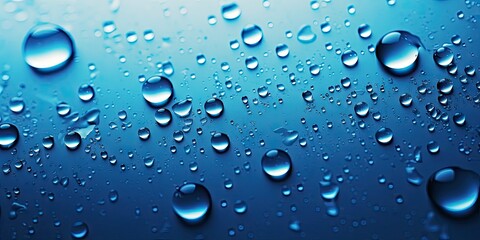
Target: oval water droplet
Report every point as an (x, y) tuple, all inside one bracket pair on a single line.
[(251, 62), (48, 142), (72, 140), (231, 11), (252, 35), (282, 50), (63, 109), (443, 56), (306, 35), (214, 107), (192, 203), (163, 117), (157, 91), (455, 191), (277, 164), (79, 230), (361, 109), (350, 58), (384, 136), (364, 31), (220, 142), (16, 104), (182, 108), (8, 135), (398, 52)]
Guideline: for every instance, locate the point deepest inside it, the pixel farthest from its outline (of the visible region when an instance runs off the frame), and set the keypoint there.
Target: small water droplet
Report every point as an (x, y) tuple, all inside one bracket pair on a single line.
[(212, 20), (282, 50), (220, 142), (277, 164), (433, 147), (406, 100), (252, 35), (79, 230), (182, 108), (214, 107), (144, 133), (148, 35), (192, 203), (109, 27), (240, 207), (131, 37), (459, 119), (8, 135), (384, 136), (325, 27), (63, 109), (157, 91)]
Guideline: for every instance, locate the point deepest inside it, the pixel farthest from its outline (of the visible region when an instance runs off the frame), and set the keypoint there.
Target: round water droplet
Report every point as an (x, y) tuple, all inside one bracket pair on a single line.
[(131, 37), (326, 27), (384, 136), (47, 48), (48, 142), (79, 230), (109, 27), (231, 11), (182, 108), (433, 147), (157, 91), (144, 133), (148, 35), (349, 58), (63, 109), (361, 109), (86, 92), (364, 31), (16, 104), (252, 35), (251, 62), (220, 142), (406, 100), (455, 191), (277, 164), (459, 119), (192, 203), (240, 207), (443, 56), (8, 135), (282, 50), (307, 96), (445, 86), (113, 196), (214, 107), (163, 117), (398, 52), (306, 35), (72, 140)]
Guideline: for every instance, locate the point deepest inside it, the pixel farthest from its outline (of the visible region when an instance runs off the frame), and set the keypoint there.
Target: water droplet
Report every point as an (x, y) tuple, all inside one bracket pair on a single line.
[(234, 44), (163, 117), (443, 56), (351, 9), (459, 119), (433, 147), (326, 27), (72, 140), (307, 96), (277, 164), (16, 104), (456, 39), (148, 35), (131, 37), (252, 35), (251, 62), (406, 100), (79, 230), (63, 109), (445, 86), (113, 196), (240, 207), (413, 176), (329, 192), (148, 161), (212, 20), (47, 48), (86, 92), (384, 136), (346, 82), (192, 203), (214, 107), (349, 58), (306, 35), (144, 133), (201, 59), (282, 50), (182, 108), (157, 91), (361, 109), (231, 11), (48, 142), (314, 69), (364, 31), (398, 52), (109, 27), (220, 142), (455, 191), (8, 135)]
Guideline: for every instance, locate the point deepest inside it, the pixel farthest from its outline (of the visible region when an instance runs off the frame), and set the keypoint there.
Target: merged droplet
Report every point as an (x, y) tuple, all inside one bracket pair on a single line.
[(192, 203), (163, 117), (306, 35), (214, 107), (455, 191), (398, 52), (277, 164), (361, 109), (47, 48), (384, 136), (443, 56), (220, 142), (349, 58), (252, 35), (231, 11), (182, 108), (157, 91), (8, 135), (72, 140), (79, 230)]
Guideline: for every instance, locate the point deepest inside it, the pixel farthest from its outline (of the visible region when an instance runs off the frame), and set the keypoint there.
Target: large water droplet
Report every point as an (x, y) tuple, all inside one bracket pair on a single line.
[(306, 35), (192, 203), (214, 107), (157, 91), (163, 117), (384, 136), (72, 140), (349, 58), (220, 142), (47, 48), (277, 164), (252, 35), (361, 109), (231, 11), (455, 191), (8, 135), (398, 52), (79, 230), (182, 108), (443, 56)]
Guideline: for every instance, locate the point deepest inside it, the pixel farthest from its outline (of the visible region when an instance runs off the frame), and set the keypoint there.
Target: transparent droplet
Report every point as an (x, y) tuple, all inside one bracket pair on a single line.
[(384, 136), (48, 47), (16, 104), (214, 107), (282, 50), (131, 37), (148, 35), (349, 58), (364, 31), (86, 92), (240, 207), (157, 91), (212, 20), (459, 119), (455, 191), (314, 69), (48, 142), (109, 27), (63, 109), (113, 196), (234, 44), (406, 100), (231, 11), (163, 117), (182, 108), (251, 62), (433, 147), (307, 96), (361, 109), (201, 59), (351, 9), (252, 35), (192, 202), (398, 52), (445, 86), (443, 56), (9, 135), (325, 27), (79, 230), (277, 164), (148, 161), (220, 142), (306, 35), (72, 140), (456, 39), (144, 133)]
